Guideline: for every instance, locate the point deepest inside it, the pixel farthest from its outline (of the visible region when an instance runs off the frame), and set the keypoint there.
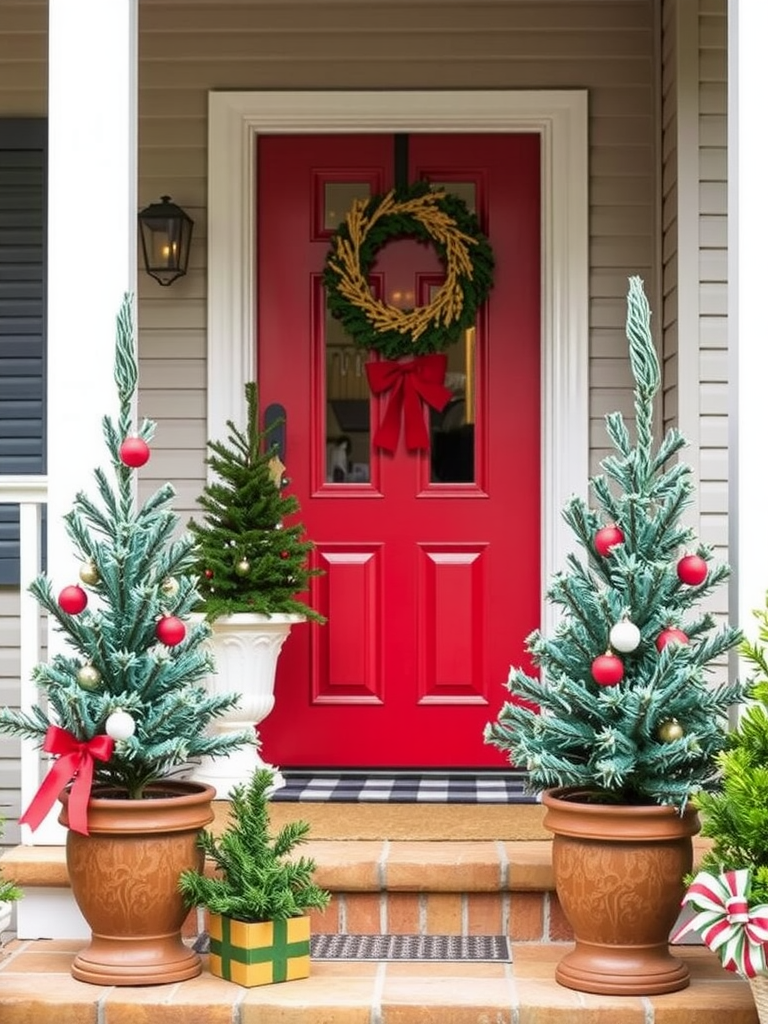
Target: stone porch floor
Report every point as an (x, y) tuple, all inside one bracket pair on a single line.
[(36, 988), (478, 885)]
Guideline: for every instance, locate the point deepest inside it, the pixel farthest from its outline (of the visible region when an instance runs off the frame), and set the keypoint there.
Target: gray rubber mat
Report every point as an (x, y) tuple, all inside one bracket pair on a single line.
[(411, 947), (480, 948)]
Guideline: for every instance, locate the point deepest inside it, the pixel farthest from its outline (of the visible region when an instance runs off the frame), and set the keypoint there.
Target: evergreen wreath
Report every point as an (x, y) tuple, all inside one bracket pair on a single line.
[(415, 211)]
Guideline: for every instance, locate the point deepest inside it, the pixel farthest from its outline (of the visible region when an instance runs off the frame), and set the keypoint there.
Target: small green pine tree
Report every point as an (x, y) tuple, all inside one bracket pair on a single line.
[(249, 558), (139, 574), (735, 816), (653, 736), (9, 892), (256, 879)]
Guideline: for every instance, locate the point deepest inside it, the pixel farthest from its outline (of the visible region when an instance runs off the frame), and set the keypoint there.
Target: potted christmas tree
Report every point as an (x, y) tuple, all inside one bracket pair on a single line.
[(124, 709), (624, 724), (730, 893), (258, 897), (252, 562)]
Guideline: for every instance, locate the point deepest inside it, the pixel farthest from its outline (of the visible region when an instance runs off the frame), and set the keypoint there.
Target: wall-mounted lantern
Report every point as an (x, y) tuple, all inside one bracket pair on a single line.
[(166, 233)]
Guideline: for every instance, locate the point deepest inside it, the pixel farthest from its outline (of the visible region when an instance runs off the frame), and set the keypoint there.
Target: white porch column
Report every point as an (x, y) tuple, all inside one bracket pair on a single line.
[(92, 160), (92, 98), (747, 312)]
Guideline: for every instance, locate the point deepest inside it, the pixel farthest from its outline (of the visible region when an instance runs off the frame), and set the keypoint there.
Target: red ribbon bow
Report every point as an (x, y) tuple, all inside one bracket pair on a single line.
[(418, 379), (75, 762)]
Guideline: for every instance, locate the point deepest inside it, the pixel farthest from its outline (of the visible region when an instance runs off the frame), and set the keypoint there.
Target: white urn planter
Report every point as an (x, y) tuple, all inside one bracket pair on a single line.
[(245, 649)]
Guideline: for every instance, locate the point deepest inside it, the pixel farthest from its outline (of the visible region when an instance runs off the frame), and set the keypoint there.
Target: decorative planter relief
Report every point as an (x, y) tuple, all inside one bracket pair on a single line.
[(124, 876), (619, 873)]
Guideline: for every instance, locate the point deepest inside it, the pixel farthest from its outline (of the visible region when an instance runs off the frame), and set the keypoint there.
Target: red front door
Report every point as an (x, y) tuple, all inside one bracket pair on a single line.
[(431, 559)]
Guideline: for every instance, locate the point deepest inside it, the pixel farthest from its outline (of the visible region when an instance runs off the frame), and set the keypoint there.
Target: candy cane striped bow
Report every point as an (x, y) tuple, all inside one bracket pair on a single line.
[(727, 924)]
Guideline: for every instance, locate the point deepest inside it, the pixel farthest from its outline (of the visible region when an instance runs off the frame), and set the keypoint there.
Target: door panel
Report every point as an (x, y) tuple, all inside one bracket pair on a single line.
[(431, 559)]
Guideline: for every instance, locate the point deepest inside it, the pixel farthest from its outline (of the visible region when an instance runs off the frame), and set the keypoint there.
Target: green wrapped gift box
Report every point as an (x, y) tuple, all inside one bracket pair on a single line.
[(259, 952)]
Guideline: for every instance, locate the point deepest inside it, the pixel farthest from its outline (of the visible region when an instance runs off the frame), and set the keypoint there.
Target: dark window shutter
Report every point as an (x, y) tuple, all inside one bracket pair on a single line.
[(23, 167)]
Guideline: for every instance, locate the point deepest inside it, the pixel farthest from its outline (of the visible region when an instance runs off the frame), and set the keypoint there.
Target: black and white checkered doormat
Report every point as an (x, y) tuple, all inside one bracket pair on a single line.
[(405, 787)]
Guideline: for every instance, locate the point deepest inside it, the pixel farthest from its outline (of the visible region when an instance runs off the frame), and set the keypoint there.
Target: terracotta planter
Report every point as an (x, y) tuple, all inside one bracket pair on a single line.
[(619, 877), (124, 877), (259, 952), (245, 650)]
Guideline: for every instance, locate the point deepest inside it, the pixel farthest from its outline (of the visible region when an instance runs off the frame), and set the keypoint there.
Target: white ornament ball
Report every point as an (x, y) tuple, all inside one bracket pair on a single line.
[(120, 725), (625, 636)]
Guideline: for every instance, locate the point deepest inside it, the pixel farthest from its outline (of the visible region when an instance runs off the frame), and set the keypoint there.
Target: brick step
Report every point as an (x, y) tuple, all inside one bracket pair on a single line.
[(450, 888), (439, 888), (421, 887), (447, 888)]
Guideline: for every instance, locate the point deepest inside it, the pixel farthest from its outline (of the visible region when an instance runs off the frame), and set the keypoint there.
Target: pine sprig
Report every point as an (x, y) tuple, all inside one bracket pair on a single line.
[(735, 816), (613, 738)]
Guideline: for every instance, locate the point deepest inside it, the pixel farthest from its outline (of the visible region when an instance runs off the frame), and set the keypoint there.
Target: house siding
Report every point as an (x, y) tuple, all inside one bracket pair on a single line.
[(669, 210), (188, 47), (713, 279), (23, 160), (605, 47), (694, 257)]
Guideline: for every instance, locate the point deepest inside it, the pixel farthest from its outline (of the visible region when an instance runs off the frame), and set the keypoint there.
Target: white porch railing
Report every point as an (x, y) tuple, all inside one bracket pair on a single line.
[(30, 493)]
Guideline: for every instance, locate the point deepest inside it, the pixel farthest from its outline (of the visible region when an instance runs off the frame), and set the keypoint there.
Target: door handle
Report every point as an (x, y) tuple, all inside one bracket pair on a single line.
[(275, 422)]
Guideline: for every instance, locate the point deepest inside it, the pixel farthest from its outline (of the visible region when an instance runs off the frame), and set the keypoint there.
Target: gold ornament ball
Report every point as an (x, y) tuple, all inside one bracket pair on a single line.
[(88, 678), (89, 574), (243, 567), (670, 731), (170, 586)]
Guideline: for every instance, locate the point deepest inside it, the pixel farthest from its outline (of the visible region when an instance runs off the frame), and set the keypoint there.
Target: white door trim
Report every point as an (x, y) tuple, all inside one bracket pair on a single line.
[(559, 117)]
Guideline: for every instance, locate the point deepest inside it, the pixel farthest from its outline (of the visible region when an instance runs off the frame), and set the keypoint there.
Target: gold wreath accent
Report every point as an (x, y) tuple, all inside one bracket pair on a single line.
[(446, 306)]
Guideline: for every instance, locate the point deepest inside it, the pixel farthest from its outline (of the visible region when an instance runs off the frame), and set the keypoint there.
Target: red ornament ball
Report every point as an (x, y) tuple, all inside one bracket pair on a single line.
[(670, 636), (284, 554), (73, 600), (170, 630), (607, 670), (607, 538), (134, 452), (209, 574), (692, 570)]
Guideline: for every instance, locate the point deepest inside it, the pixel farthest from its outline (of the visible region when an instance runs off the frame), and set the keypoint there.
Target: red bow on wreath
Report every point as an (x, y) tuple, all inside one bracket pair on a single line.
[(75, 761), (420, 379)]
